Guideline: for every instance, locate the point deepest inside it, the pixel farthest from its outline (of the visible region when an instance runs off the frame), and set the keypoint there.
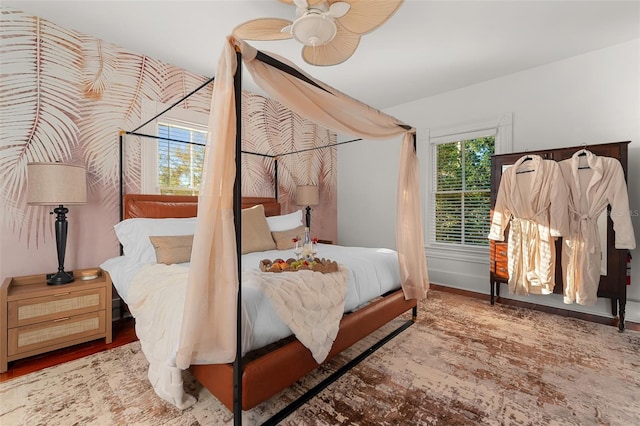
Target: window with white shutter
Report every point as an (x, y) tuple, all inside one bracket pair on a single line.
[(172, 162), (461, 191), (458, 187), (180, 158)]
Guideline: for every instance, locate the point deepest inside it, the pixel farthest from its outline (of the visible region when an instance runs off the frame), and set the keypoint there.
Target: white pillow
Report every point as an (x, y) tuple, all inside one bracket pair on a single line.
[(134, 234), (285, 222)]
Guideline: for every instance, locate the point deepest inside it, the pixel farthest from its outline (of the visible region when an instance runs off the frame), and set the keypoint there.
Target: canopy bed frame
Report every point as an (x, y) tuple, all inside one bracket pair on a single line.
[(251, 380), (266, 374)]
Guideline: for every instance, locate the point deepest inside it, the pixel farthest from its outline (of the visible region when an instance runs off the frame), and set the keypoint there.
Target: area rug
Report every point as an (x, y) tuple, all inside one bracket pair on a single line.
[(464, 362)]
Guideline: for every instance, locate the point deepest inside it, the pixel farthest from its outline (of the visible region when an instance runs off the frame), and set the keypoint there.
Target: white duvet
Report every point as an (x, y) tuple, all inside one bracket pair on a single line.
[(157, 304), (372, 272)]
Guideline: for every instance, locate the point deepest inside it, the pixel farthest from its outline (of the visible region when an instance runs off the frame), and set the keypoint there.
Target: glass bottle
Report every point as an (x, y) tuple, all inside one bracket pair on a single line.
[(307, 248)]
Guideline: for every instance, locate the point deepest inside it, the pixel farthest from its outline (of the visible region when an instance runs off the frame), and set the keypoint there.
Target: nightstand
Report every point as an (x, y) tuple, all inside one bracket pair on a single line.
[(36, 317)]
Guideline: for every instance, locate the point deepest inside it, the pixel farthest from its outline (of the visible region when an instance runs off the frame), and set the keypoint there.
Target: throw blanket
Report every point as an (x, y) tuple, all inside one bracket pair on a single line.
[(158, 325), (310, 303)]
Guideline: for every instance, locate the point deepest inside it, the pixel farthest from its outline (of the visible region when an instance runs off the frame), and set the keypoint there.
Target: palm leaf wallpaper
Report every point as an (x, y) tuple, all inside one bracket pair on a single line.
[(65, 96)]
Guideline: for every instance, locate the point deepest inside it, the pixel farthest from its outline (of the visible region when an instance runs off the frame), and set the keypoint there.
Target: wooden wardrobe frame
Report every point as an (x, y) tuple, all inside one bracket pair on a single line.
[(613, 285)]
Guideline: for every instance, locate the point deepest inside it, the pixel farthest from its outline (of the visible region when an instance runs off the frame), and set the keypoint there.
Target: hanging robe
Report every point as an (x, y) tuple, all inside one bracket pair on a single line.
[(593, 182), (532, 199)]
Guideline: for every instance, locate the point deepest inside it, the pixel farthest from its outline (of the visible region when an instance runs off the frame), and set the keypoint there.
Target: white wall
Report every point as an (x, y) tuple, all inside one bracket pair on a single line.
[(591, 98)]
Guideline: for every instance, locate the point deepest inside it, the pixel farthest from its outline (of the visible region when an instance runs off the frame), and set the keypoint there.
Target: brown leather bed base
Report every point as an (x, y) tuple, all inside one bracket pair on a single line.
[(275, 371), (265, 376)]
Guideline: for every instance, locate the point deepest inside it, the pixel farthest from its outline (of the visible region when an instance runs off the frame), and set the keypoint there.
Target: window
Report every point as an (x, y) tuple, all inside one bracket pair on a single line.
[(461, 193), (173, 163), (180, 163), (458, 188)]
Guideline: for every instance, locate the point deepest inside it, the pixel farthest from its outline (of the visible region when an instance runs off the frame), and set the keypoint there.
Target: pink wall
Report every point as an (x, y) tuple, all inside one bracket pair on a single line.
[(66, 96)]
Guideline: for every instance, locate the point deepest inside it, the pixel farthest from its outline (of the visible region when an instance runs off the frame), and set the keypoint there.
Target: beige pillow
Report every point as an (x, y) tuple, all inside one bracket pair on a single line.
[(255, 230), (172, 249), (284, 239)]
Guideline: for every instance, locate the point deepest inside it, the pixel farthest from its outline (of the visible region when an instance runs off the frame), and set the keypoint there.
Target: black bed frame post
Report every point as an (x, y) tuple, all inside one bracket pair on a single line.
[(237, 208), (414, 311), (120, 170), (121, 178), (275, 175)]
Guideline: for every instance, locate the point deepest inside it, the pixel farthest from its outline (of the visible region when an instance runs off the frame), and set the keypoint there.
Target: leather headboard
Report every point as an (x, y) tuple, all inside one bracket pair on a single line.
[(162, 206), (271, 205)]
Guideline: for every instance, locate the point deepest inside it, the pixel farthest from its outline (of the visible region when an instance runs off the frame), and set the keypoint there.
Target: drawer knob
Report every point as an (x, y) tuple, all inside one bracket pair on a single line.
[(61, 319), (61, 294), (503, 269)]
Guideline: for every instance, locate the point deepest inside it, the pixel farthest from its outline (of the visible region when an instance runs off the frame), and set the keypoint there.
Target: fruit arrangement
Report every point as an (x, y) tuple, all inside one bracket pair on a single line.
[(292, 265)]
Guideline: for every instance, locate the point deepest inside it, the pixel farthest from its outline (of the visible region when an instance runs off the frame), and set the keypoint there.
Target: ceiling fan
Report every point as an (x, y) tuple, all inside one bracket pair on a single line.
[(330, 30)]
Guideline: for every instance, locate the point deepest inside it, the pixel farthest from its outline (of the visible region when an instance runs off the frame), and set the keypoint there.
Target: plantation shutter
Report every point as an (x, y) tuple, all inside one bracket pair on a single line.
[(180, 158), (461, 187)]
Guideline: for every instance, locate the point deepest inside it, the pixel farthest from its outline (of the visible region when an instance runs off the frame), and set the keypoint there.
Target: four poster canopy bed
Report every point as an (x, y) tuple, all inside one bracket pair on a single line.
[(209, 323)]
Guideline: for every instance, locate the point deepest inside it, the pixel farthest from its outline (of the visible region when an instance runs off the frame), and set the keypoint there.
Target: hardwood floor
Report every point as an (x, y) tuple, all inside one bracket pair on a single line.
[(124, 332), (556, 311)]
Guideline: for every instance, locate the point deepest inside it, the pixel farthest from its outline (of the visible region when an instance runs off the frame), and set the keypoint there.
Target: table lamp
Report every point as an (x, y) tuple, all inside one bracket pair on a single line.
[(51, 184), (307, 195)]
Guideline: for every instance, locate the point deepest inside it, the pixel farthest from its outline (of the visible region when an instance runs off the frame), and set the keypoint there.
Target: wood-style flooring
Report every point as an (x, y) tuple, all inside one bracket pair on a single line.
[(124, 332)]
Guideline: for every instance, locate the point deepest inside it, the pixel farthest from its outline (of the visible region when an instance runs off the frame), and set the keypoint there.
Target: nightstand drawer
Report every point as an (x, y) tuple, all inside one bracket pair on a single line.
[(55, 333), (501, 270), (501, 260), (58, 305), (37, 318), (501, 251)]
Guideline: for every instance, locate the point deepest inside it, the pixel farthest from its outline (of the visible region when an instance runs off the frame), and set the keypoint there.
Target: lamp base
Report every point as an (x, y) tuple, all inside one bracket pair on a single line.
[(60, 277)]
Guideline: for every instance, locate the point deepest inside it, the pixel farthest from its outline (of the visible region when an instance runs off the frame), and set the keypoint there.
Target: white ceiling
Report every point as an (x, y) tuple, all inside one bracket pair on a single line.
[(427, 47)]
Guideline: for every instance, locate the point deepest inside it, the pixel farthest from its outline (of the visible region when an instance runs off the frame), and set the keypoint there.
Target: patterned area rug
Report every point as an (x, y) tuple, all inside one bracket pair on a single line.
[(463, 363)]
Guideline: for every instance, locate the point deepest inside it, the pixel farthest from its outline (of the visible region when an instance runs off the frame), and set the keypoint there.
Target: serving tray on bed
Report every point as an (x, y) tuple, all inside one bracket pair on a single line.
[(292, 265)]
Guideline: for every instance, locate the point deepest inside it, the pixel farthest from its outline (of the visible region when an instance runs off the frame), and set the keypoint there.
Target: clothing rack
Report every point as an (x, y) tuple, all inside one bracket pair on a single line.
[(237, 207), (612, 285)]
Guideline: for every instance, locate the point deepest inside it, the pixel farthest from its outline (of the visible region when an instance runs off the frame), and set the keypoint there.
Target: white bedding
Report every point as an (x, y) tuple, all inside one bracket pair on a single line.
[(372, 272), (157, 304)]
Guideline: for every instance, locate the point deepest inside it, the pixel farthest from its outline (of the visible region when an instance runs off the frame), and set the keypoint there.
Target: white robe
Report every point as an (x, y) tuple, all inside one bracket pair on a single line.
[(593, 183), (534, 203)]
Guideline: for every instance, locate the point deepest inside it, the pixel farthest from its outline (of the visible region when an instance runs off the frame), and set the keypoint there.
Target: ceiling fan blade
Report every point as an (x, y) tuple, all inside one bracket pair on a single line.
[(266, 29), (292, 2), (367, 15), (338, 9), (335, 52)]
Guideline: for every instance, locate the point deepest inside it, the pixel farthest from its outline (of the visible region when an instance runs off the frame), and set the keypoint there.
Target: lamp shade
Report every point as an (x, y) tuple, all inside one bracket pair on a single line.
[(56, 183), (307, 195)]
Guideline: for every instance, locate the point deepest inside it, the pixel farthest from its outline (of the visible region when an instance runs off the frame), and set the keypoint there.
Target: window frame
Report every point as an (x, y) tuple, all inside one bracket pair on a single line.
[(149, 150), (498, 126), (175, 143)]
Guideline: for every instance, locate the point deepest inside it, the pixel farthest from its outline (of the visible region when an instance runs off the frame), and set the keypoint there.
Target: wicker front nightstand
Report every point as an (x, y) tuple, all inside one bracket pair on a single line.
[(36, 317)]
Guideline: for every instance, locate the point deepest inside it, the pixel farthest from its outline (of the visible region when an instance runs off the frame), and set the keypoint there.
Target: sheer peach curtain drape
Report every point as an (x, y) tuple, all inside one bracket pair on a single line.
[(209, 322)]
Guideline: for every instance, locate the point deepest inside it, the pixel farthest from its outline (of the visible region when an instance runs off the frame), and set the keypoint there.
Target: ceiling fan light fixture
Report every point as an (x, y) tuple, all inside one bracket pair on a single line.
[(314, 29)]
